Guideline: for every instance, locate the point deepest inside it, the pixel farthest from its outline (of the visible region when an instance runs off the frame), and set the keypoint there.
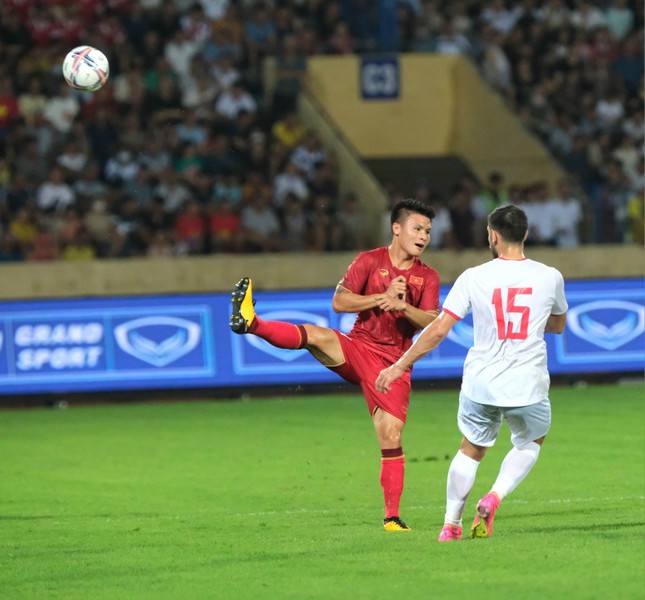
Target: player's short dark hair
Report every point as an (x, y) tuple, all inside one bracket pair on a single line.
[(510, 222), (404, 208)]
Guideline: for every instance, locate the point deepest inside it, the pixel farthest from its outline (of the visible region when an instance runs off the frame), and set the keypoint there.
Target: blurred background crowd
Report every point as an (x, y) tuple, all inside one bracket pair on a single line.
[(185, 152)]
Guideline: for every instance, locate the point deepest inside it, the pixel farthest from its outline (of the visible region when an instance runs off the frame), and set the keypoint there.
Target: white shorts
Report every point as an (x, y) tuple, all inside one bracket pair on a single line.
[(480, 423)]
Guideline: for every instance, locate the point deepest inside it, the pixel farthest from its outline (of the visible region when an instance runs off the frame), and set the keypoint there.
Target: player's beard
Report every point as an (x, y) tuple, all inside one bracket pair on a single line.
[(493, 250)]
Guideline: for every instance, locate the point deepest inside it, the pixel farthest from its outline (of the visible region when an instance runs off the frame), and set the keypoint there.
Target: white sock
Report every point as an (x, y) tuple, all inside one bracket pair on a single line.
[(461, 477), (516, 466)]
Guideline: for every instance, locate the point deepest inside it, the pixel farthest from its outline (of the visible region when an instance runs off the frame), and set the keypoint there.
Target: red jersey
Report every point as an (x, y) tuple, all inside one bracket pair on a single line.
[(389, 333)]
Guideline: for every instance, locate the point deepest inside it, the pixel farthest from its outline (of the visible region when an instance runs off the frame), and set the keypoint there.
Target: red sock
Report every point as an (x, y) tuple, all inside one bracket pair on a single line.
[(279, 333), (392, 471)]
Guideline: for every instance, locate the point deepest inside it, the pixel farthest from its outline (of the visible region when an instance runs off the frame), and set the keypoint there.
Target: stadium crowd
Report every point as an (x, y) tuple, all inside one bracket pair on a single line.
[(184, 152)]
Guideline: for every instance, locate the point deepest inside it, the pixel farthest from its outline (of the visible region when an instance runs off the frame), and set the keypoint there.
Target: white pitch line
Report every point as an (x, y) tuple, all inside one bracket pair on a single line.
[(316, 511)]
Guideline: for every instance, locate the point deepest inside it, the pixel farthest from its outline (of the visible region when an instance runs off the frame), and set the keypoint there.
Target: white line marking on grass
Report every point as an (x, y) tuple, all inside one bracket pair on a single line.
[(316, 511)]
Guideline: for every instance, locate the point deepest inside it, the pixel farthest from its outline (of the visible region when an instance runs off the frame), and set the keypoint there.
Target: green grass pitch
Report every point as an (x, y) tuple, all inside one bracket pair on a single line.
[(279, 498)]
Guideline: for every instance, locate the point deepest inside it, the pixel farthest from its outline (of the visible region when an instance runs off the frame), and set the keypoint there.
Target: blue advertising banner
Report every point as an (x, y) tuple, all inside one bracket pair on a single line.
[(184, 341)]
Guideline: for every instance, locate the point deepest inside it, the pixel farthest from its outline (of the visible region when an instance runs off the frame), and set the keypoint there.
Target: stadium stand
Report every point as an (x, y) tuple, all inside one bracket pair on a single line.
[(184, 153)]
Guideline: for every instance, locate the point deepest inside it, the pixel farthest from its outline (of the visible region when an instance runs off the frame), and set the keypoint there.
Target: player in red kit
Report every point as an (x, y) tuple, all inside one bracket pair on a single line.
[(394, 295)]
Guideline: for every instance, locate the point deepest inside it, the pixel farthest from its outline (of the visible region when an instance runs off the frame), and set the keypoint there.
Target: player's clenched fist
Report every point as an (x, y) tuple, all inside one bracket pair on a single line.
[(397, 288)]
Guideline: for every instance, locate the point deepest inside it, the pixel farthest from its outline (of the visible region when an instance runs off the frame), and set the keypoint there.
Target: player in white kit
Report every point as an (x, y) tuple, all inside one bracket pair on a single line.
[(514, 301)]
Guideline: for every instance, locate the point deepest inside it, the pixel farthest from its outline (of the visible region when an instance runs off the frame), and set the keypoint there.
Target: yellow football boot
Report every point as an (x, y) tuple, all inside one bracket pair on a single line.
[(243, 311), (394, 524)]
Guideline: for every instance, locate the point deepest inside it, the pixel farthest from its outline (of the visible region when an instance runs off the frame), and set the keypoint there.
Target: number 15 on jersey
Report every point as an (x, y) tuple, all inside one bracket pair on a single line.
[(508, 301)]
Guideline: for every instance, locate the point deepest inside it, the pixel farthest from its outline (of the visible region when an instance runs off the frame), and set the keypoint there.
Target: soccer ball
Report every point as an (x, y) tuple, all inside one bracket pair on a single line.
[(85, 68)]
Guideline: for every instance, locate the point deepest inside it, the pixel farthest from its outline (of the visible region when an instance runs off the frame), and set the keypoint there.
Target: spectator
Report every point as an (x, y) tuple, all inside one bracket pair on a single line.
[(10, 250), (19, 194), (179, 52), (22, 232), (629, 64), (219, 159), (225, 228), (341, 41), (288, 130), (261, 226), (54, 194), (234, 100), (101, 226), (190, 229), (308, 155), (462, 218), (545, 224), (155, 157), (172, 191), (291, 67), (461, 20), (44, 246), (496, 66), (628, 153), (636, 218), (441, 235), (609, 110), (129, 88), (637, 178), (102, 135), (620, 19), (569, 216), (121, 168), (555, 14), (294, 221), (199, 94), (141, 187), (495, 194), (260, 36), (73, 158), (431, 17), (32, 101), (224, 71), (196, 24), (325, 231), (9, 107), (289, 182), (61, 110), (190, 130), (189, 164), (450, 41), (161, 245), (227, 188), (79, 247), (614, 197), (354, 222), (586, 16), (214, 9), (32, 163), (497, 16)]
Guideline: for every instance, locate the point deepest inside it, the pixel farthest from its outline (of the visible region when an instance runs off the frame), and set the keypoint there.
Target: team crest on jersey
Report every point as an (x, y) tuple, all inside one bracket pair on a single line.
[(384, 272)]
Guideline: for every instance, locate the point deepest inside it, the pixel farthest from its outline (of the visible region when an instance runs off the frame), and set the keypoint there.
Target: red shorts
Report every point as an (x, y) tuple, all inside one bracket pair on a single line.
[(362, 366)]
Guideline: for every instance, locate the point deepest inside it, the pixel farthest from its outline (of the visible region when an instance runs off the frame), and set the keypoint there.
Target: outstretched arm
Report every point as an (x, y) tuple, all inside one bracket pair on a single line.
[(428, 340)]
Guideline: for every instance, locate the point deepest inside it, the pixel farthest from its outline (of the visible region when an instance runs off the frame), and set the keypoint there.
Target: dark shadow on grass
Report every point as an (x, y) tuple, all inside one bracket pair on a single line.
[(69, 517), (590, 527), (546, 514)]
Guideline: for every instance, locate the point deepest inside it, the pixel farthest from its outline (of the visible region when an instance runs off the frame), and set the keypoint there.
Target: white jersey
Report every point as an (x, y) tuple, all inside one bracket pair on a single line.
[(511, 301)]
